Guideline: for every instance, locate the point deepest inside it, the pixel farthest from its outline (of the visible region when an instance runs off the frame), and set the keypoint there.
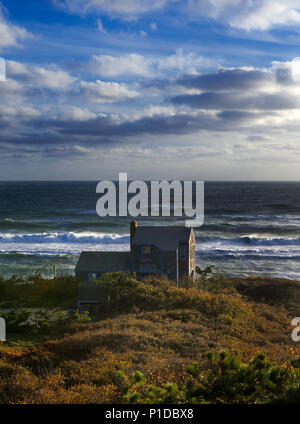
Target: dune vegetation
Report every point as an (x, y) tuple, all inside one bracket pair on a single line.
[(213, 340)]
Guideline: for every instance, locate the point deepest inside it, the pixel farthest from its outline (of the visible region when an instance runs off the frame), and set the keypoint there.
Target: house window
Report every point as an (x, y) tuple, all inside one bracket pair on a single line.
[(146, 253), (182, 251), (93, 276)]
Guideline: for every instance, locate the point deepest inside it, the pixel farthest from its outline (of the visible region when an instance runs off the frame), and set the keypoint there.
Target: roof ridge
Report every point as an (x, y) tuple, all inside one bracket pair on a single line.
[(105, 251), (164, 226)]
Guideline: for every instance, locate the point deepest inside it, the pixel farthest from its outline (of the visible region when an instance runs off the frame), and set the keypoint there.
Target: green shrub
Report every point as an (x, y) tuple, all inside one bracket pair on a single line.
[(17, 321), (36, 291), (223, 378)]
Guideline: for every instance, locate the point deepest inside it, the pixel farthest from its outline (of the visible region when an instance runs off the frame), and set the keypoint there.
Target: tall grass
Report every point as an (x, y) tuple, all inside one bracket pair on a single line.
[(157, 334)]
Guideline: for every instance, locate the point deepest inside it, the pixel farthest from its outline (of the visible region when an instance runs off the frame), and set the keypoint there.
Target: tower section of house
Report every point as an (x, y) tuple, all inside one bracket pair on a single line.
[(163, 250)]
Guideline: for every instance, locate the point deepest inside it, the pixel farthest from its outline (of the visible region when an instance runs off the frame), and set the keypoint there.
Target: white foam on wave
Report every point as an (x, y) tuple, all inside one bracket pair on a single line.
[(249, 246), (71, 237), (57, 249), (251, 240)]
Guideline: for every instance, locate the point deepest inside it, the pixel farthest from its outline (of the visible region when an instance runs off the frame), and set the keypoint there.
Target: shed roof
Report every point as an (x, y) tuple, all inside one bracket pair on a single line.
[(164, 237), (102, 262)]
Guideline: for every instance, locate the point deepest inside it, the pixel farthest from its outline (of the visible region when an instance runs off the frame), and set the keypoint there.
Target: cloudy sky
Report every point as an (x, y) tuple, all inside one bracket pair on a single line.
[(188, 89)]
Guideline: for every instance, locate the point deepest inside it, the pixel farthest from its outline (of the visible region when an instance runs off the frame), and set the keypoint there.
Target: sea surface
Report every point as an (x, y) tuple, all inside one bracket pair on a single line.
[(250, 228)]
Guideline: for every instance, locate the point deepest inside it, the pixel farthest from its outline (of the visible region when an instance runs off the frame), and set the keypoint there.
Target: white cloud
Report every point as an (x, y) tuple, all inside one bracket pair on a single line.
[(111, 7), (234, 90), (242, 14), (106, 92), (153, 111), (21, 112), (23, 80), (248, 14), (51, 77), (11, 93), (2, 69), (81, 149), (128, 64), (101, 27), (287, 71), (76, 114), (10, 35), (189, 62), (135, 64), (153, 26)]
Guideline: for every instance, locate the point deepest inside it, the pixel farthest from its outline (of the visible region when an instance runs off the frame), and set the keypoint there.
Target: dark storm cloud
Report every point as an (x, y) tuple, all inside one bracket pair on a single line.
[(9, 152), (284, 76), (108, 128), (42, 141), (217, 101), (232, 79), (157, 83), (257, 138), (231, 100), (233, 115), (4, 124), (54, 138)]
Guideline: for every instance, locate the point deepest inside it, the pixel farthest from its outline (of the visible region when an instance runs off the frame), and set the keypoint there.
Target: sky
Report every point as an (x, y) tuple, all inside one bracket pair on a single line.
[(176, 89)]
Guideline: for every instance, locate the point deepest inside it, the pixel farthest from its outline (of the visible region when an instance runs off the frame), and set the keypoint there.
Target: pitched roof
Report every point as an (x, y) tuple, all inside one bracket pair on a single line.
[(102, 262), (164, 237)]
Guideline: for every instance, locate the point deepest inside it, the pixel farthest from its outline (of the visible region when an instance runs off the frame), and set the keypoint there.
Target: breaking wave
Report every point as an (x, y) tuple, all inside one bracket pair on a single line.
[(252, 241), (71, 237)]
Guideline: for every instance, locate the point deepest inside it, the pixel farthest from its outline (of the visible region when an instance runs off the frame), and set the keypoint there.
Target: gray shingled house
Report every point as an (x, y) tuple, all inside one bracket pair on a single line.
[(154, 250)]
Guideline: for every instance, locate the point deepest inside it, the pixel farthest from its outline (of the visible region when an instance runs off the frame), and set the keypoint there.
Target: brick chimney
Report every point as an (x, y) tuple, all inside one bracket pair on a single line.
[(133, 227)]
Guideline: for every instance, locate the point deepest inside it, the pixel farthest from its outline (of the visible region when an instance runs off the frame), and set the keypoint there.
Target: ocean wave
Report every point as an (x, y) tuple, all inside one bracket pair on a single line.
[(16, 254), (58, 225), (111, 238), (71, 237), (220, 255), (252, 241)]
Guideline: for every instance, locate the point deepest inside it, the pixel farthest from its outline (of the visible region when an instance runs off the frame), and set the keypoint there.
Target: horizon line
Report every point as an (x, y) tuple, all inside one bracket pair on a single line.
[(148, 180)]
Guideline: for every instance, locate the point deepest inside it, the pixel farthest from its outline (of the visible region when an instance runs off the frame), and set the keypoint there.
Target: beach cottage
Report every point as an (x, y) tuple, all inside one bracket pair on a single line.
[(154, 250)]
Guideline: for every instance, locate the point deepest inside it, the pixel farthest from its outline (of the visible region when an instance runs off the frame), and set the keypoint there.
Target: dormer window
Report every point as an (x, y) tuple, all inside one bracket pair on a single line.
[(146, 253), (93, 276)]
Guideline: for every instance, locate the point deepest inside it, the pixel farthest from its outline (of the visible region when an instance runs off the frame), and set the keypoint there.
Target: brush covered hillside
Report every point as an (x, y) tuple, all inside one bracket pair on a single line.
[(214, 340)]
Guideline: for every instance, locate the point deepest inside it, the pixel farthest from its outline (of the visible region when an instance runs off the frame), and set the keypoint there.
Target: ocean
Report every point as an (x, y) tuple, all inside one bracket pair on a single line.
[(250, 228)]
